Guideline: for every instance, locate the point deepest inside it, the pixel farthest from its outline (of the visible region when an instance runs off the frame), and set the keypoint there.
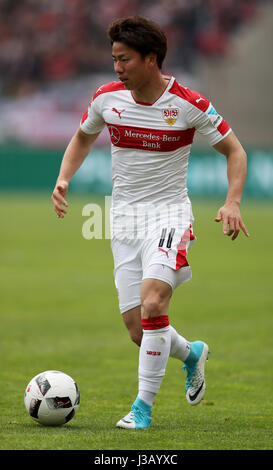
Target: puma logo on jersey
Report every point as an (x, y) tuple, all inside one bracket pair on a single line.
[(199, 99), (164, 251), (118, 112)]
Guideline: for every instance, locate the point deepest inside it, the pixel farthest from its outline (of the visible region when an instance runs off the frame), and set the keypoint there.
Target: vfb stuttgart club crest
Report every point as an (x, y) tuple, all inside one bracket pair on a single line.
[(170, 115)]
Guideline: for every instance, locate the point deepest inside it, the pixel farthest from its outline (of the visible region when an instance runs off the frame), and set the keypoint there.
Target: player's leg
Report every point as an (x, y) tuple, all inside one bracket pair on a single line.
[(155, 303), (154, 351), (132, 317), (129, 294), (132, 321), (149, 327), (159, 340), (156, 340), (180, 347), (192, 354), (155, 347)]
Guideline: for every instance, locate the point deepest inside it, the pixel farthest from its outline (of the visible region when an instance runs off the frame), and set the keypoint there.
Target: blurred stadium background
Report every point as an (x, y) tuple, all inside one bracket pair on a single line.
[(54, 55)]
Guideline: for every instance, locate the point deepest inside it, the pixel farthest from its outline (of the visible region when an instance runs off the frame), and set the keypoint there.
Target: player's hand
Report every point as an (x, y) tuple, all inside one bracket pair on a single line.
[(230, 215), (58, 198)]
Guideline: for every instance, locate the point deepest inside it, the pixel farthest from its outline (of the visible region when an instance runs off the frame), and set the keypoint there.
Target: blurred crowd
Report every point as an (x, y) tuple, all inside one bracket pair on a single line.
[(44, 41)]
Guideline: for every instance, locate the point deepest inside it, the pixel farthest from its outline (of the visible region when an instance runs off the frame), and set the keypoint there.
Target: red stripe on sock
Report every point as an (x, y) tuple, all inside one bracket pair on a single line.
[(155, 323)]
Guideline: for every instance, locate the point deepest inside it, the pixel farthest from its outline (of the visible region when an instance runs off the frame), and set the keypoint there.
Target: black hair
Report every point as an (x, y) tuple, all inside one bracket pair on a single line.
[(141, 34)]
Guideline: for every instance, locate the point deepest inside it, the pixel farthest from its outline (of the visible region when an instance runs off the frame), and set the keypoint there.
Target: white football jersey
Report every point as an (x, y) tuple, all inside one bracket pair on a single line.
[(151, 143)]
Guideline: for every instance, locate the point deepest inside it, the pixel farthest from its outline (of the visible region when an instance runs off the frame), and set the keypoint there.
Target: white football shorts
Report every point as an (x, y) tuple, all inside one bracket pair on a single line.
[(162, 255)]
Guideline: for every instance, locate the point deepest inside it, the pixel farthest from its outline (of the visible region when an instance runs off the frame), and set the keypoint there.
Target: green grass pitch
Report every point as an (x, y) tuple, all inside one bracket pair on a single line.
[(59, 311)]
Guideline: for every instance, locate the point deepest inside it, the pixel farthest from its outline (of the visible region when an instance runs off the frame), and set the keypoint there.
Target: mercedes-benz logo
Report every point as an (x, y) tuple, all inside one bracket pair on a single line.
[(114, 134)]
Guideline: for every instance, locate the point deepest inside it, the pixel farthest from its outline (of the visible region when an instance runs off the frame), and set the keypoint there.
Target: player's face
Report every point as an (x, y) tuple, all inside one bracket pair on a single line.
[(132, 70)]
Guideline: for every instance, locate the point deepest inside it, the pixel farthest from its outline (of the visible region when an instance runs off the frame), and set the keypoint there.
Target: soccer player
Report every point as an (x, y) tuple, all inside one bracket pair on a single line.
[(152, 120)]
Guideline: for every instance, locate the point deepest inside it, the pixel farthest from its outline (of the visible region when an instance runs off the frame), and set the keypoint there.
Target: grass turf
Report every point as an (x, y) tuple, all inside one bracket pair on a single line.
[(59, 311)]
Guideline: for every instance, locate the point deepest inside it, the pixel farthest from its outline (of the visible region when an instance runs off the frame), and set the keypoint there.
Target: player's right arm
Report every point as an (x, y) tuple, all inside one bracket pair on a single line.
[(76, 152)]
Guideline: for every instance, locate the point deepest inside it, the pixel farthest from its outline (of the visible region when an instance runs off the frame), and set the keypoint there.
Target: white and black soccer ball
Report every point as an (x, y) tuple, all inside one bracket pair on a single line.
[(52, 398)]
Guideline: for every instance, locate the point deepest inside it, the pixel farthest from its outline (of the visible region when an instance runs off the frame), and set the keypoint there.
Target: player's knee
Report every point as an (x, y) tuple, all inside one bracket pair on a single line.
[(152, 306)]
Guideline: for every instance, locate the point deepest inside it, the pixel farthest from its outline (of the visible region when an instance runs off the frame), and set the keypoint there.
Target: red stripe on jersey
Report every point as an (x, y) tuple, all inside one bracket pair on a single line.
[(155, 323), (112, 86), (155, 140), (85, 115), (223, 127), (193, 97), (181, 259)]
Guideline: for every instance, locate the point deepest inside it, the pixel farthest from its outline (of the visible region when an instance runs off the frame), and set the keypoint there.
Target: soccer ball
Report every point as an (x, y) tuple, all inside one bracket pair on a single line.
[(52, 398)]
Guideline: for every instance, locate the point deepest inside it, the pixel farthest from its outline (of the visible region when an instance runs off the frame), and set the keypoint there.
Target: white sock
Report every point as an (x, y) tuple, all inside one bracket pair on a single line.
[(148, 397), (153, 356), (180, 347)]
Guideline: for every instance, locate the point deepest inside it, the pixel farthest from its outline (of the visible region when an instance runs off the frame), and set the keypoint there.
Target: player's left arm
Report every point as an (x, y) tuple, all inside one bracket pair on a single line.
[(230, 213)]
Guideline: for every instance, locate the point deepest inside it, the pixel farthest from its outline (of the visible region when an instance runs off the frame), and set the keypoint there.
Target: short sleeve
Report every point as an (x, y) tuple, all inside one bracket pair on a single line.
[(208, 122), (92, 120)]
